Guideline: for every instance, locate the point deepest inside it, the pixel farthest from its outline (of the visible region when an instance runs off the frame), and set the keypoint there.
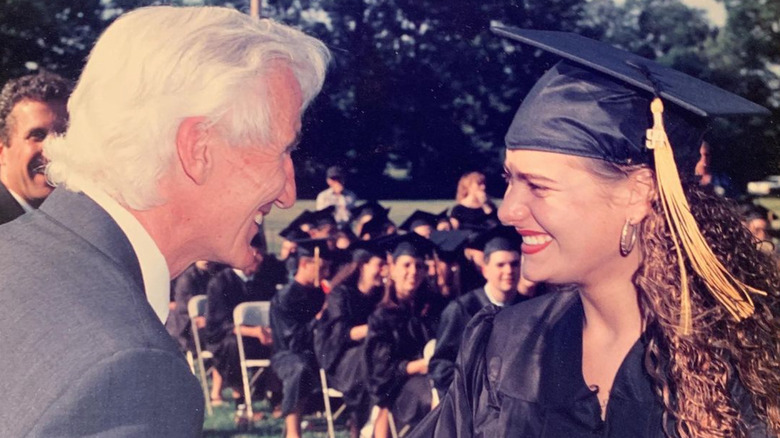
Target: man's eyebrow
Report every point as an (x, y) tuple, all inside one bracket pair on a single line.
[(37, 132)]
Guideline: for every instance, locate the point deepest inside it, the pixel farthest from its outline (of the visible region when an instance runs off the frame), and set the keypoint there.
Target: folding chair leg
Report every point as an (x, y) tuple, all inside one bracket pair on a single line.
[(326, 399), (205, 385), (391, 422)]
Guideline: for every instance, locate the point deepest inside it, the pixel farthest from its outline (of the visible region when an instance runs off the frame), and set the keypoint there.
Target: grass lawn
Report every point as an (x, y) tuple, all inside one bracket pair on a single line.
[(222, 424)]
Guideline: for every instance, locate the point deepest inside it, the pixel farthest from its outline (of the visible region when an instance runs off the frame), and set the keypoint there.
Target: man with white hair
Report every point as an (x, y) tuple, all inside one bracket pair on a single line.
[(179, 143)]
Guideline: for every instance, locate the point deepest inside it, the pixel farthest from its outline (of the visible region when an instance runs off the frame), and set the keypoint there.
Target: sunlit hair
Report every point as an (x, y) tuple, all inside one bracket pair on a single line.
[(694, 375), (156, 66), (465, 183)]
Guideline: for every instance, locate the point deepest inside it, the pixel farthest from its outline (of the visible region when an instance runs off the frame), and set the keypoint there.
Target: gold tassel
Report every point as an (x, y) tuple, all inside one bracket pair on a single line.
[(732, 294), (317, 266)]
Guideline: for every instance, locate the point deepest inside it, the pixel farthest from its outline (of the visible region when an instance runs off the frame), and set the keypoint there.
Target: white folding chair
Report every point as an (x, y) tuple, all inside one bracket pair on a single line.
[(252, 313), (196, 307), (327, 394)]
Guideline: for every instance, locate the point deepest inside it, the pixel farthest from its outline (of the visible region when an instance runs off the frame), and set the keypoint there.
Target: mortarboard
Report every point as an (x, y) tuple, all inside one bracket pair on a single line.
[(450, 244), (369, 208), (500, 238), (419, 218), (605, 103), (411, 244), (366, 246), (322, 217), (294, 231), (313, 248)]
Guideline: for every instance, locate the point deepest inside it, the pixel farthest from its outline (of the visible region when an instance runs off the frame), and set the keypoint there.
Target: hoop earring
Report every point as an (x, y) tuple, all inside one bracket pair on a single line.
[(627, 238)]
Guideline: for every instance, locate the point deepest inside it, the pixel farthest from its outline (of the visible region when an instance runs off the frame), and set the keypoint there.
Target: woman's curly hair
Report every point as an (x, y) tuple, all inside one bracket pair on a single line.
[(704, 378)]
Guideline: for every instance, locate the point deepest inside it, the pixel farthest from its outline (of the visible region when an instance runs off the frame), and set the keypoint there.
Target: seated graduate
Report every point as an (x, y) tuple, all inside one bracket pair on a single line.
[(397, 333), (225, 291), (501, 269), (668, 326), (270, 273), (338, 340), (473, 209), (293, 313), (191, 282), (421, 222), (365, 212)]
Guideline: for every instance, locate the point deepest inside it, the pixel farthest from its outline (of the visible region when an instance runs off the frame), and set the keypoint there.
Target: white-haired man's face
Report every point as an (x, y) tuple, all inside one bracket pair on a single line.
[(249, 180)]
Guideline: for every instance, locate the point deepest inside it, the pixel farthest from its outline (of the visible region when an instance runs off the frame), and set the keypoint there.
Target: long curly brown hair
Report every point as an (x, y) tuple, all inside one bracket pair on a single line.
[(697, 376)]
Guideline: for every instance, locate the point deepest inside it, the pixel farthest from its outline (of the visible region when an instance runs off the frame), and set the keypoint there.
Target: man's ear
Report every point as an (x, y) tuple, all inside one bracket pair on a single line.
[(642, 192), (192, 148)]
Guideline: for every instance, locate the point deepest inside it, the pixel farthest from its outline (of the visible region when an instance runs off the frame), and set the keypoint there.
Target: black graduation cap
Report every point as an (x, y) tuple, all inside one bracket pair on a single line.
[(313, 247), (369, 208), (322, 217), (293, 230), (377, 226), (450, 244), (500, 238), (605, 103), (366, 246), (411, 244), (596, 103), (419, 218)]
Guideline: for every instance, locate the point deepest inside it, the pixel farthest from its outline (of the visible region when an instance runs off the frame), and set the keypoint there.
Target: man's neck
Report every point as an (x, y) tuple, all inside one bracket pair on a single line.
[(496, 296)]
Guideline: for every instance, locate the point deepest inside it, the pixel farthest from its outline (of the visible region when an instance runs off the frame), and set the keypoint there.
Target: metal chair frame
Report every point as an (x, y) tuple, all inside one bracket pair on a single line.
[(196, 307), (252, 313)]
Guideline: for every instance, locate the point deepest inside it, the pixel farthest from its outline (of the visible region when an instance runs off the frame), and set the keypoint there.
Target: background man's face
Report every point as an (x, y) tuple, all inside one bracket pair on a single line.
[(21, 160), (502, 270)]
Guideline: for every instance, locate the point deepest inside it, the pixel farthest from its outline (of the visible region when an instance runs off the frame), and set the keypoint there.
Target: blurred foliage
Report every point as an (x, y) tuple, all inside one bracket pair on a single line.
[(421, 92)]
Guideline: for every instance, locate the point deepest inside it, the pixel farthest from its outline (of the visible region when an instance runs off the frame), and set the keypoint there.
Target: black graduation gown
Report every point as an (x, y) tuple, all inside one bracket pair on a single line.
[(396, 336), (520, 375), (225, 291), (474, 218), (270, 274), (191, 282), (292, 321), (450, 333), (340, 356)]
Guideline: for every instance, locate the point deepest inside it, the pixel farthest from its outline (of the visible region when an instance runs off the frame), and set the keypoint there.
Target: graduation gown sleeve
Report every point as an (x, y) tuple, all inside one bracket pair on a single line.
[(331, 339), (458, 413)]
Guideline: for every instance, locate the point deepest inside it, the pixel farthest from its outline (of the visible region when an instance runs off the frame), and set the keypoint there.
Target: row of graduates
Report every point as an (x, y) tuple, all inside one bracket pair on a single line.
[(385, 304), (386, 301)]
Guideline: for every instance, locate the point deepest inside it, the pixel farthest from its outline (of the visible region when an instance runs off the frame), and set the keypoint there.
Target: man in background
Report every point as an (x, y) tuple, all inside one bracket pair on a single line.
[(32, 109), (181, 128), (337, 195)]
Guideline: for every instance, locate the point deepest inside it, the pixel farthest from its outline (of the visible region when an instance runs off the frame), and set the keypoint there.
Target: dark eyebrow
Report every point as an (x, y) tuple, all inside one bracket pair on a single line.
[(528, 176), (293, 146), (37, 132)]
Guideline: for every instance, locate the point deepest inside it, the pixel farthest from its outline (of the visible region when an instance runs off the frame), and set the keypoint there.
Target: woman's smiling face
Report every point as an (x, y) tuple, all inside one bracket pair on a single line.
[(570, 219)]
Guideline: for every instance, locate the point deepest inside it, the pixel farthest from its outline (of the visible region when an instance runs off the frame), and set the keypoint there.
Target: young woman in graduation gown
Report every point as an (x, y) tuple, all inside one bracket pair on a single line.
[(397, 333), (342, 328), (668, 324)]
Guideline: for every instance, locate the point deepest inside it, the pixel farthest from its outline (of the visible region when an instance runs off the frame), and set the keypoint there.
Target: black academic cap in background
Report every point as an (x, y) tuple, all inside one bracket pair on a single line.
[(419, 218), (310, 247), (322, 217), (449, 245), (371, 247), (596, 102), (500, 238), (411, 244), (369, 208), (293, 230)]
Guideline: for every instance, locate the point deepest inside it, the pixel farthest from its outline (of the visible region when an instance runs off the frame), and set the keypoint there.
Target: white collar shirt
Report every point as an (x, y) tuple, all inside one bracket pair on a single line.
[(154, 268)]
